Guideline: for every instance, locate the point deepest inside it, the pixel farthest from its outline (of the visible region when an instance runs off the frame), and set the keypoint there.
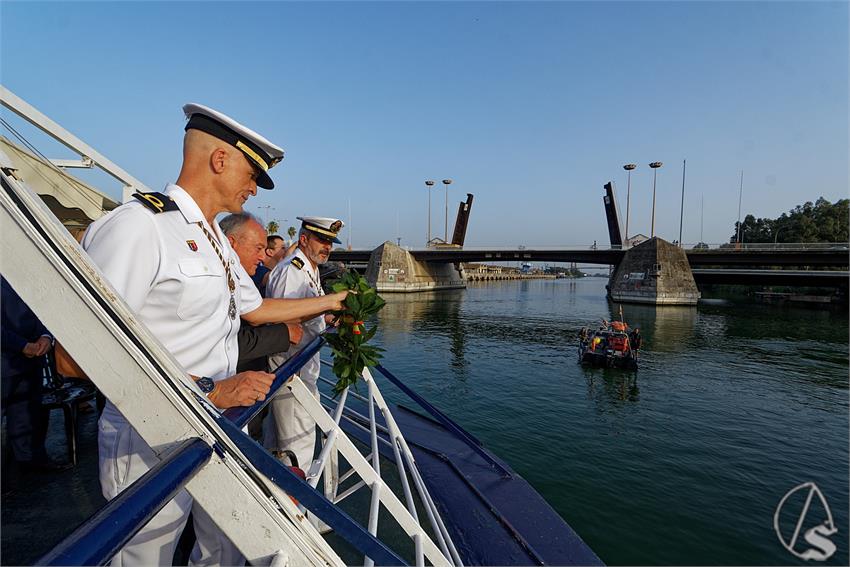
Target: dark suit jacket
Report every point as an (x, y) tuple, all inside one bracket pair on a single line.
[(256, 343), (19, 326)]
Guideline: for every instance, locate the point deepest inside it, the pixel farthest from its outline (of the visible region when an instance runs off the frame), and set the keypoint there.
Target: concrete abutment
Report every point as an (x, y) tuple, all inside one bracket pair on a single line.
[(654, 272)]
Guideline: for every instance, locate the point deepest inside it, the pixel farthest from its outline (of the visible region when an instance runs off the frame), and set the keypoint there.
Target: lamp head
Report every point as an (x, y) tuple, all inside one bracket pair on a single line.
[(655, 164), (629, 166)]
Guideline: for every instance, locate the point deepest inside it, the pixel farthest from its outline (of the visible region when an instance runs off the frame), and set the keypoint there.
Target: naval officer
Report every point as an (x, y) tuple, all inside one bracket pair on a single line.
[(166, 256), (289, 427)]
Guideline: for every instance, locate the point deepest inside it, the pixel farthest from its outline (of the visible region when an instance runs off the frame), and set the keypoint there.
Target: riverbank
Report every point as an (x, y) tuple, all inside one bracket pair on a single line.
[(510, 276), (800, 299)]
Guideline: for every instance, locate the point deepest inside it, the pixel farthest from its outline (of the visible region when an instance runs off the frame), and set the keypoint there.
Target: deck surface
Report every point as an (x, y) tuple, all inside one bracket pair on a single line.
[(502, 520)]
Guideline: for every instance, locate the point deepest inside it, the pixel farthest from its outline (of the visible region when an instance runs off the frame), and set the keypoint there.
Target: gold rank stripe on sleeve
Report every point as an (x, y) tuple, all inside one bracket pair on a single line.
[(298, 262)]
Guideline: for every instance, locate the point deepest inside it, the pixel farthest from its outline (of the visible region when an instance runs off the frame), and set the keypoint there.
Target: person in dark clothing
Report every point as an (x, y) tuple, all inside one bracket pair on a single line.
[(635, 339), (25, 341), (247, 237), (275, 250), (257, 343), (259, 277)]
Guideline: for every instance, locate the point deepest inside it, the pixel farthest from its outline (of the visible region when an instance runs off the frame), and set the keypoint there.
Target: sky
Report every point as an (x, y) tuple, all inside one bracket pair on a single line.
[(532, 107)]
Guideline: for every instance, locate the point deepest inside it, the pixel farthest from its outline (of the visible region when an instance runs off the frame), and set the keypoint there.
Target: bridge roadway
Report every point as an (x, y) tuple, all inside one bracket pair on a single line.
[(833, 257)]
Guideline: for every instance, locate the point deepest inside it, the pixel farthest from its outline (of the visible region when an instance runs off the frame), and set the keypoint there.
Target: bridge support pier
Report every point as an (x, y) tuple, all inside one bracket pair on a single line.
[(394, 270), (654, 272)]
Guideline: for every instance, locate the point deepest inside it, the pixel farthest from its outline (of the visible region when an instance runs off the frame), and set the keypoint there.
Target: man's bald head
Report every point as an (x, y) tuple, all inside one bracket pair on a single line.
[(217, 175), (198, 146)]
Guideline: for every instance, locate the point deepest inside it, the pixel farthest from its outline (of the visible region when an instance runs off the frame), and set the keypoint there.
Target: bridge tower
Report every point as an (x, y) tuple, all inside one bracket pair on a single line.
[(394, 269), (613, 215), (462, 221)]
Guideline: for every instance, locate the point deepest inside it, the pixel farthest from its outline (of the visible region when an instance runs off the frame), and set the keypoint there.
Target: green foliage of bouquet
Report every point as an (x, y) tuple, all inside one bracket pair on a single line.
[(350, 351)]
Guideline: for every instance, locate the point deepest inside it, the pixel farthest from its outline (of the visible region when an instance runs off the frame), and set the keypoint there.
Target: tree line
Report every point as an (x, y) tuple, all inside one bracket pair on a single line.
[(820, 221)]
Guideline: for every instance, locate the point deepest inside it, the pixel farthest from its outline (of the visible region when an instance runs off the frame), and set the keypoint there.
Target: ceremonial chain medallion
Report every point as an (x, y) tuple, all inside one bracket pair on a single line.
[(231, 285), (319, 291)]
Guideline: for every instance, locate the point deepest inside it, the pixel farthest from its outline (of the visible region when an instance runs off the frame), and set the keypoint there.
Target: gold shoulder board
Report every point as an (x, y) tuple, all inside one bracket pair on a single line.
[(298, 262), (157, 202)]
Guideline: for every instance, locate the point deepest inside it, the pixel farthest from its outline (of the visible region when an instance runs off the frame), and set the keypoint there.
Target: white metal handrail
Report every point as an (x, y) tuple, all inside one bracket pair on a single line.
[(88, 154), (367, 468)]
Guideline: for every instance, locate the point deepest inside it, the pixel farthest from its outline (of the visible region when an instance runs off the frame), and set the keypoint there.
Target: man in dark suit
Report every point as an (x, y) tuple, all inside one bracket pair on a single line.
[(257, 343), (247, 237), (25, 341)]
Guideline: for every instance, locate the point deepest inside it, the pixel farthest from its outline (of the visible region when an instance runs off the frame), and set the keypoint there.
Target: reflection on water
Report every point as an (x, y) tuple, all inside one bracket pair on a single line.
[(681, 462), (405, 317), (669, 327), (406, 313), (608, 387)]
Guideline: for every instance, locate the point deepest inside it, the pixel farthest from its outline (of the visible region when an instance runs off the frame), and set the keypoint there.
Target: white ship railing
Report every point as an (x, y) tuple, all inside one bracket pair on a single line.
[(403, 458), (89, 157)]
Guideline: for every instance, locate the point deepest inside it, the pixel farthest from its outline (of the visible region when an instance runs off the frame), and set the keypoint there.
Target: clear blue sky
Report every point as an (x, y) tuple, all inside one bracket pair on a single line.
[(530, 106)]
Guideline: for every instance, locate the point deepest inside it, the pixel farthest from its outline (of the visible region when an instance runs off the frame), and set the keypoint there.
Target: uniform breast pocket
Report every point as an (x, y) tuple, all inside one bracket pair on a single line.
[(203, 290)]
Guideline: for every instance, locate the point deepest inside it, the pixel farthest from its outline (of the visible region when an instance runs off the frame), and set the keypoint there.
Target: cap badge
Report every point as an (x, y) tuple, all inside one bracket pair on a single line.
[(336, 226)]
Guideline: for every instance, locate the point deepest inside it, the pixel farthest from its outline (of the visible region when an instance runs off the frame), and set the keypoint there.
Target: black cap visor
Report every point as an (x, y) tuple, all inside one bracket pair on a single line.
[(263, 179), (321, 234)]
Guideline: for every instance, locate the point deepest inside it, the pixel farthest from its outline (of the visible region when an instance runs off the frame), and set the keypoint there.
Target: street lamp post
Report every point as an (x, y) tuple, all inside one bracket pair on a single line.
[(447, 182), (266, 207), (428, 185), (628, 167), (740, 238), (682, 209), (654, 165)]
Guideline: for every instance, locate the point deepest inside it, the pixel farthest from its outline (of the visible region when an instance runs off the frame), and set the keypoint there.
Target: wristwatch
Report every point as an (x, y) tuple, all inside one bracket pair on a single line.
[(205, 384)]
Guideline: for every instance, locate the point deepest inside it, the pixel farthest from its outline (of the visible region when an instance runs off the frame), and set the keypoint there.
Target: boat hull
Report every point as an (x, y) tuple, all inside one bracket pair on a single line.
[(608, 360), (494, 517)]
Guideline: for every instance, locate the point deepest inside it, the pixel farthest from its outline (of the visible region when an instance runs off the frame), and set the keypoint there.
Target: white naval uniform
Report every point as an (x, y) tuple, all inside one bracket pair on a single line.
[(289, 426), (182, 296)]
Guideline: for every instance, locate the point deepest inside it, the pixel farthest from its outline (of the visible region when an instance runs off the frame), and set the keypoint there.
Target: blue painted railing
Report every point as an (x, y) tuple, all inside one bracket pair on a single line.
[(242, 415), (107, 531), (283, 477), (280, 474)]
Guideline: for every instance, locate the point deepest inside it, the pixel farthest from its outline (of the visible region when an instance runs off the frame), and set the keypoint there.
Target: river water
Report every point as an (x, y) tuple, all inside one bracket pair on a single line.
[(683, 462)]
